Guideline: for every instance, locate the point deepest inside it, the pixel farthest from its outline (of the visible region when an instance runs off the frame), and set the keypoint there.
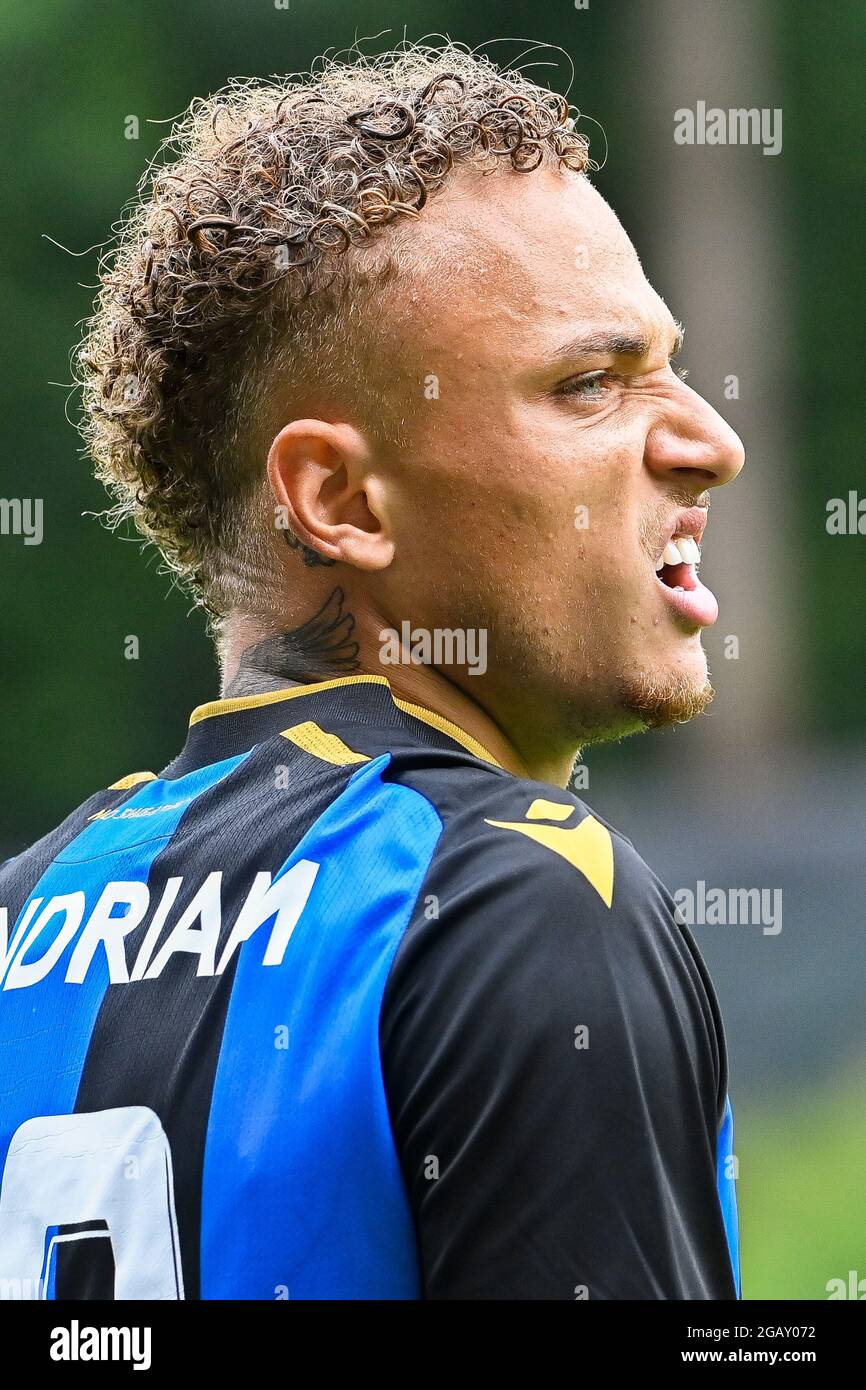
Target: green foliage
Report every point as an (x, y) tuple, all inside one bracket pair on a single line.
[(823, 51), (801, 1191)]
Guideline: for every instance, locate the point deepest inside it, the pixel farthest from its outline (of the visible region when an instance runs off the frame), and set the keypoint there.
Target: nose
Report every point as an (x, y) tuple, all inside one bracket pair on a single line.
[(692, 442)]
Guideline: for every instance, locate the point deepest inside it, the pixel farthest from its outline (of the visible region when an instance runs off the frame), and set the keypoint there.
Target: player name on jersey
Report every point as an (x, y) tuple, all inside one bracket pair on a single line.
[(47, 927)]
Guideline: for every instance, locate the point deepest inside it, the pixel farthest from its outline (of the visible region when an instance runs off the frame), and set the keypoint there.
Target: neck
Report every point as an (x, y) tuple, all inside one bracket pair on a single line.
[(336, 642)]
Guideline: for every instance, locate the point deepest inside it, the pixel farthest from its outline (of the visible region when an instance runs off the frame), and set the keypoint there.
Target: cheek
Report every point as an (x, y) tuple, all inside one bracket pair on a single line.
[(601, 507), (564, 523), (541, 501)]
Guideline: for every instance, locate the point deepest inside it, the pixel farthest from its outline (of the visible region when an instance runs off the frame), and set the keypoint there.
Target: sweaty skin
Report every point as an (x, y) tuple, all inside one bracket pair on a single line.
[(533, 357)]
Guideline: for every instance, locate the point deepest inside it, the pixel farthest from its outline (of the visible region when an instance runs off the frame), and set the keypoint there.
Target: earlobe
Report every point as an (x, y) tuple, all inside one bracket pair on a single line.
[(321, 476)]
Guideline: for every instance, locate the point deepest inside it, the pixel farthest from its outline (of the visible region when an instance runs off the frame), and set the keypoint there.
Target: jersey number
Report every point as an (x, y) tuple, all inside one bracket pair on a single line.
[(109, 1173)]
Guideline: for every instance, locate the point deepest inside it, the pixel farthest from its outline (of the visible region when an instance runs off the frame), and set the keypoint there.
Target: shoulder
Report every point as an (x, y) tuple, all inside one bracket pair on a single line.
[(508, 836), (26, 867), (537, 918)]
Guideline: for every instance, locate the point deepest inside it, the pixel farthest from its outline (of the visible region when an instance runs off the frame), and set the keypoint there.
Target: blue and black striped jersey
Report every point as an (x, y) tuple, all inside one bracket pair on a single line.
[(337, 1008)]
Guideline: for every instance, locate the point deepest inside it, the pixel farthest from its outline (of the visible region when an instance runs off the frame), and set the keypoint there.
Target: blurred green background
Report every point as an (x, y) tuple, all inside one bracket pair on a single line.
[(762, 258)]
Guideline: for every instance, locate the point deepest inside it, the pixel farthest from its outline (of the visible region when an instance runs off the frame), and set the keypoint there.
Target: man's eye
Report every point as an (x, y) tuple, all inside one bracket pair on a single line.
[(591, 386)]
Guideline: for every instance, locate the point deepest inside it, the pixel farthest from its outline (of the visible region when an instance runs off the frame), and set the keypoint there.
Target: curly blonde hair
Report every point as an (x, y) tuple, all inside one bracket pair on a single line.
[(241, 261)]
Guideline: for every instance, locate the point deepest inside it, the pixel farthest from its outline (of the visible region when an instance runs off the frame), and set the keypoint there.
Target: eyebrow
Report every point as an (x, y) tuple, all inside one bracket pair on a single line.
[(615, 345)]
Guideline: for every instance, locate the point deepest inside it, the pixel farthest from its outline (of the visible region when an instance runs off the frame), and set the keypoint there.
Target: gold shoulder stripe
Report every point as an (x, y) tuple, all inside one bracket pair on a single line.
[(320, 744), (587, 847), (131, 779), (445, 726)]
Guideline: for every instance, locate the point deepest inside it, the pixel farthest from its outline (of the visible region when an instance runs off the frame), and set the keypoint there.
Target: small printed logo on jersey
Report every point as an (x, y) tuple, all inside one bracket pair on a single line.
[(136, 812)]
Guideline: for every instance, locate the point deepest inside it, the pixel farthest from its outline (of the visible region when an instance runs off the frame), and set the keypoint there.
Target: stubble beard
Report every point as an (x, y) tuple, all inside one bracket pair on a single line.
[(662, 701)]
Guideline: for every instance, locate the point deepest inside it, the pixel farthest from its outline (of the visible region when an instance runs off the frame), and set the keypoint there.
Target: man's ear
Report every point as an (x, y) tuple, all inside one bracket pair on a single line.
[(322, 477)]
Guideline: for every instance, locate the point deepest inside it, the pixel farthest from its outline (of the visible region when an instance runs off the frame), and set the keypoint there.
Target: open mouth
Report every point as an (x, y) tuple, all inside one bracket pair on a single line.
[(676, 571), (676, 567)]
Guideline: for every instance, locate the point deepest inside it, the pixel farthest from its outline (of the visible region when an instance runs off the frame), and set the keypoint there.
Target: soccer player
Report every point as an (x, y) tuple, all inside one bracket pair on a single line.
[(354, 999)]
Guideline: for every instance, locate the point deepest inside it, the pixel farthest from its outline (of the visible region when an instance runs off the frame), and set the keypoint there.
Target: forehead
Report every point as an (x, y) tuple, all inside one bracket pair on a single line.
[(519, 260)]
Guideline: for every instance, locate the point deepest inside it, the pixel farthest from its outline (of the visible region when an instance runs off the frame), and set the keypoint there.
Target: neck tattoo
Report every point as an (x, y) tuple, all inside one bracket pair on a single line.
[(320, 648)]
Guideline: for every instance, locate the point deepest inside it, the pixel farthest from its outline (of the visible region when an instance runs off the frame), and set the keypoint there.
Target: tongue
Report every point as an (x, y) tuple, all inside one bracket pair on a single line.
[(679, 576)]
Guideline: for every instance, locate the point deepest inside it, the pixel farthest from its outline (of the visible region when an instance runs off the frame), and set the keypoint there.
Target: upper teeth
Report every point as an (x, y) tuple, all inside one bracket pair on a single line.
[(683, 550)]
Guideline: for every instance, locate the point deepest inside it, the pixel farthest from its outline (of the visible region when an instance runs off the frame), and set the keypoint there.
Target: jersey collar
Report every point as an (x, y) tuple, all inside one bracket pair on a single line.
[(367, 699)]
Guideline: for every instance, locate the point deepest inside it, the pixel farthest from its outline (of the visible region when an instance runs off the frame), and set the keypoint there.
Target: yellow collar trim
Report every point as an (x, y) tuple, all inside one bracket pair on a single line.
[(273, 697)]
